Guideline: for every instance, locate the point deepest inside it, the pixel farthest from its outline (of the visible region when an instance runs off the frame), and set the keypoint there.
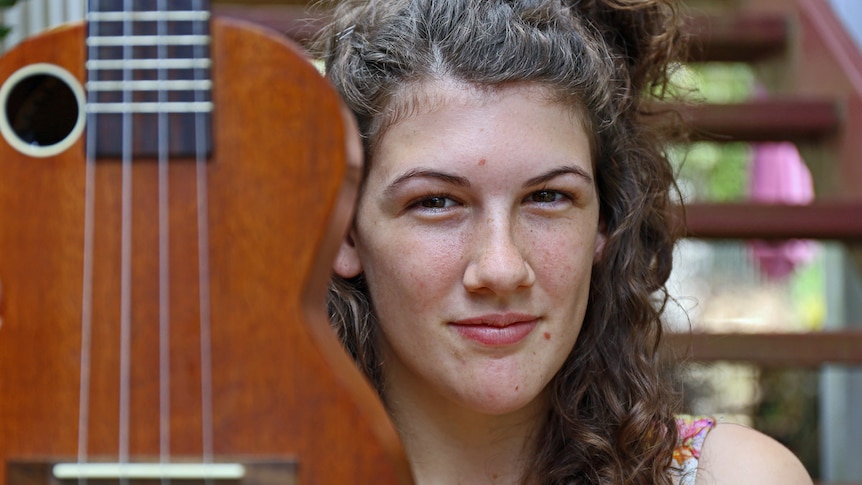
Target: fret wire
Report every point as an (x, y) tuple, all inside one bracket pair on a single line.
[(108, 64), (151, 107), (148, 40), (170, 85), (149, 16)]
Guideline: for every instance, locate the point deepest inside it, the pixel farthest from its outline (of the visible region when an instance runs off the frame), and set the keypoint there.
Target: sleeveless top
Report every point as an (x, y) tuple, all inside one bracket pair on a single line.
[(692, 432)]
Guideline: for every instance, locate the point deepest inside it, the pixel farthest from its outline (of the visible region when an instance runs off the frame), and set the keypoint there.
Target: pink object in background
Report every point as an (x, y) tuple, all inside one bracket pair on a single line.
[(780, 176)]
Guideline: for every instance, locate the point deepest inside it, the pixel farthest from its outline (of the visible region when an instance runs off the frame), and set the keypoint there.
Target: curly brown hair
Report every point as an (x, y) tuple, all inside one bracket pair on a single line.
[(612, 416)]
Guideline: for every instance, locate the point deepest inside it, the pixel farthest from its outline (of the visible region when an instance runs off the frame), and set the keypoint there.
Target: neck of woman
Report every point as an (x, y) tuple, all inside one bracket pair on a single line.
[(447, 443)]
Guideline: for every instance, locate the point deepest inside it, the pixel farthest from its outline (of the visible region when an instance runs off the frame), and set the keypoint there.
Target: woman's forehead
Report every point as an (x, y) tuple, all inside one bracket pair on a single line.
[(516, 130), (429, 95), (422, 98)]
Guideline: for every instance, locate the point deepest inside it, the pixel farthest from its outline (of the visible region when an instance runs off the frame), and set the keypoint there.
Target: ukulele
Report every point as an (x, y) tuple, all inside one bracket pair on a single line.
[(173, 189)]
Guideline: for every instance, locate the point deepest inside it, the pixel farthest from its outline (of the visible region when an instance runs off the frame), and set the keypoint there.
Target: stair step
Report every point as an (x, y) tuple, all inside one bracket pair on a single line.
[(737, 37), (793, 119), (809, 349), (835, 220), (740, 37), (293, 20)]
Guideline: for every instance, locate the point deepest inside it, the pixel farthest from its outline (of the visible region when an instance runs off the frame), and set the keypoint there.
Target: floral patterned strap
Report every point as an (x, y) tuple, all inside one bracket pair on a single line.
[(692, 433)]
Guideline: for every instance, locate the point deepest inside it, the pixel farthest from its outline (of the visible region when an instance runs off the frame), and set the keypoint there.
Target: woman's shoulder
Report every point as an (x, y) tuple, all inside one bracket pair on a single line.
[(735, 454)]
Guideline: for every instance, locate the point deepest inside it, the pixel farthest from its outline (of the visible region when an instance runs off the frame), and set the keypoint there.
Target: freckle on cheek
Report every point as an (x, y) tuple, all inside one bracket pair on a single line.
[(547, 336), (482, 162)]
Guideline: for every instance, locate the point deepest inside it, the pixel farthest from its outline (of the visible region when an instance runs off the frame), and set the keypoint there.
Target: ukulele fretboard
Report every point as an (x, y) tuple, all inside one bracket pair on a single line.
[(148, 77)]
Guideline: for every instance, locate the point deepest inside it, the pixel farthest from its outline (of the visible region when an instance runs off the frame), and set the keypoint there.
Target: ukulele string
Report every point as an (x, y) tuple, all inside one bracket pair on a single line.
[(87, 283), (203, 256), (126, 251), (164, 256), (126, 264)]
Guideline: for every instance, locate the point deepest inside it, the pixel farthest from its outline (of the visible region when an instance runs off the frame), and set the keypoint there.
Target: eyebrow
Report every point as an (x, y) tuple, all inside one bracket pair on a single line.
[(426, 173), (552, 174), (464, 182)]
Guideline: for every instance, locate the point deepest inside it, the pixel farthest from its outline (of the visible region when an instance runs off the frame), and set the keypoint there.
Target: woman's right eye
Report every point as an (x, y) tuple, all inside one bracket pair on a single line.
[(436, 202)]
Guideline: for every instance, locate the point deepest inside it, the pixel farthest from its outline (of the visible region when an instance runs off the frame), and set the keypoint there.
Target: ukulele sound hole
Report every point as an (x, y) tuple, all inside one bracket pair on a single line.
[(42, 110), (249, 473)]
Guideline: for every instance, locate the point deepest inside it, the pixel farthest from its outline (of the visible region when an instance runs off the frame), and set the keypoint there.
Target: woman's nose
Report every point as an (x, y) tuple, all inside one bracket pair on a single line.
[(497, 264)]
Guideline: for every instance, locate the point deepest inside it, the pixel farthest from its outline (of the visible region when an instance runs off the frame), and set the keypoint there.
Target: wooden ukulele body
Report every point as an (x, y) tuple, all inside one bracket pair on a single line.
[(280, 194)]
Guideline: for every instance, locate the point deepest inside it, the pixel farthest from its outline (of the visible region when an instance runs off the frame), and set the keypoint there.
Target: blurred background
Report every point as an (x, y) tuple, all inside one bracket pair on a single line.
[(767, 287)]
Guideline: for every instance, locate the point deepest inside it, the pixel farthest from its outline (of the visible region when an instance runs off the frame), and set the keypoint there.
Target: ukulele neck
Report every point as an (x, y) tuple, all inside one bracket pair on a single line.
[(149, 79)]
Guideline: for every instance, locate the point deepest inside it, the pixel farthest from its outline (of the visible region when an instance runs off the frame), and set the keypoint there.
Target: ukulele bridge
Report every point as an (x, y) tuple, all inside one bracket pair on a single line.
[(152, 473)]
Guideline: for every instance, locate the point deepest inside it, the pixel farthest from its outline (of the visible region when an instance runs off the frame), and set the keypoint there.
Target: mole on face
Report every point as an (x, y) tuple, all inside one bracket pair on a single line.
[(482, 162)]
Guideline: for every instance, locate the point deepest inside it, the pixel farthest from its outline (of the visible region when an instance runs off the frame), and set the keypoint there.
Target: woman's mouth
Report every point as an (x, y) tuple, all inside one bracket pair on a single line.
[(496, 330)]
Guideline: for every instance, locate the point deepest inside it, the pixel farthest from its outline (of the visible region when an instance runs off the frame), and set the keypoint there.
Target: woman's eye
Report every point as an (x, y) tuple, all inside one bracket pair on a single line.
[(439, 202), (546, 196)]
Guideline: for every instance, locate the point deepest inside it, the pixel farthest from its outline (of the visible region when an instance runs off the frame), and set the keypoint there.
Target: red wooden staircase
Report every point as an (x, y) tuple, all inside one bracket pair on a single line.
[(819, 108), (814, 70)]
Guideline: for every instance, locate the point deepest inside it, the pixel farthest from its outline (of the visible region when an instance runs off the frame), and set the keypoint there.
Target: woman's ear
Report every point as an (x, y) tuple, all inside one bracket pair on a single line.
[(601, 239), (347, 263)]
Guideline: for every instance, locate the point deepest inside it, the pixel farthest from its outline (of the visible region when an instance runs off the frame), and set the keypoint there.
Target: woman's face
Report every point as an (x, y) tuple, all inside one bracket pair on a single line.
[(476, 231)]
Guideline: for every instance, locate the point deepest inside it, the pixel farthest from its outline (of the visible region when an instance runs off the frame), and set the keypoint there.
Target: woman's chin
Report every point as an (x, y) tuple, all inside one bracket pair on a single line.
[(502, 401)]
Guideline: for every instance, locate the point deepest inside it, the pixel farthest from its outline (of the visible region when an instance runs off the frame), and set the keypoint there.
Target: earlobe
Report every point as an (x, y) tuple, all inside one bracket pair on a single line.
[(347, 263)]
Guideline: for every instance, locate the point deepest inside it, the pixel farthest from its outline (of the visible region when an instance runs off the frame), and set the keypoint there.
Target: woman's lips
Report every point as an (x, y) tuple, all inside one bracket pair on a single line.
[(496, 330)]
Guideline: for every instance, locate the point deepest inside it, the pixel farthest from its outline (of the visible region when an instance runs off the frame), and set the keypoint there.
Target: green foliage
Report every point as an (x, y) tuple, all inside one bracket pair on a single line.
[(807, 290), (715, 172), (4, 29), (718, 82)]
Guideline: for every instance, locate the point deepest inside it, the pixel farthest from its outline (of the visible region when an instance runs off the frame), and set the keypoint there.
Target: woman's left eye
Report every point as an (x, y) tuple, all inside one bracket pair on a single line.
[(546, 196)]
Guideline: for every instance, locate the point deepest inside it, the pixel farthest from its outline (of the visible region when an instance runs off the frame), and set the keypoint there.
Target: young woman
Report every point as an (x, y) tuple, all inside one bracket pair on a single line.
[(499, 285)]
